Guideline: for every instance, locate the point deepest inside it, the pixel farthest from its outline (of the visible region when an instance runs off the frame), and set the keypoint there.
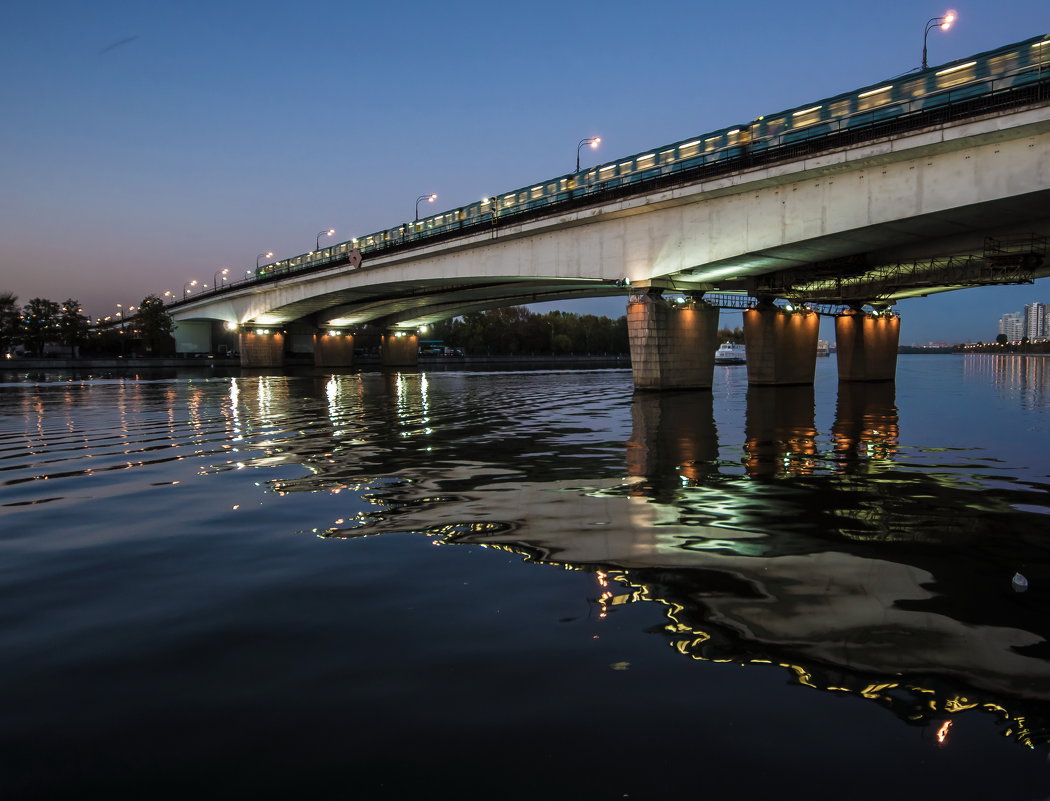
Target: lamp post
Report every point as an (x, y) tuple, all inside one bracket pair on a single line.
[(428, 198), (186, 287), (249, 275), (944, 23), (329, 232), (262, 256), (593, 141), (220, 275)]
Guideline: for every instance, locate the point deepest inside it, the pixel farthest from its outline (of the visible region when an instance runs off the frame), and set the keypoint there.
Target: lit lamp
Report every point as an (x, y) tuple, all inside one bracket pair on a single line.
[(186, 287), (944, 23), (262, 256), (329, 232), (220, 275), (593, 141), (428, 198)]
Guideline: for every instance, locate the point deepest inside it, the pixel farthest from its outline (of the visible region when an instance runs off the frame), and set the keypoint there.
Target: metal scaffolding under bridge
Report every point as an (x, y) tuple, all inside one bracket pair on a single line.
[(851, 281)]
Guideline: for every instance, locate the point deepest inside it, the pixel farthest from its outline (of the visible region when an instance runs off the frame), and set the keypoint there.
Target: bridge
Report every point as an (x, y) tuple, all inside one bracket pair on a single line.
[(942, 184)]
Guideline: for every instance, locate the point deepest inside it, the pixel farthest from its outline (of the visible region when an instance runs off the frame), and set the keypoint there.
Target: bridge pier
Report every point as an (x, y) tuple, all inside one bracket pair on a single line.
[(672, 346), (261, 348), (333, 349), (781, 345), (866, 346), (399, 349)]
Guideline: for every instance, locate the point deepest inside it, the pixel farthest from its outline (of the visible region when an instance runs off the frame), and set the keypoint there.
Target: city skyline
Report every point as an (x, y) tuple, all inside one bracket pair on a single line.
[(152, 147)]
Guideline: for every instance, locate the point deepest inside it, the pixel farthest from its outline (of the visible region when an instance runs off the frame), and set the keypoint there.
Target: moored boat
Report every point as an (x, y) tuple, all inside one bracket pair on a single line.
[(730, 353)]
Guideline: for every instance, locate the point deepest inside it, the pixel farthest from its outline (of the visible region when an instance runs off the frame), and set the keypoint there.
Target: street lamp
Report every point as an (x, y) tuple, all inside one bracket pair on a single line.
[(329, 232), (593, 141), (262, 256), (944, 23), (249, 275), (186, 287), (220, 275), (428, 198)]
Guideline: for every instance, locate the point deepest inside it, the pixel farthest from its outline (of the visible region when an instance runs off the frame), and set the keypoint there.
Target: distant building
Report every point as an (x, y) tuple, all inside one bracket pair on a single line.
[(1035, 320), (1012, 325)]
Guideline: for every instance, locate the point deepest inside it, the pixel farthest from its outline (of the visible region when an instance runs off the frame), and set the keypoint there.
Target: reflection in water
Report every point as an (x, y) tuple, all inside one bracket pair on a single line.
[(781, 435), (858, 564), (844, 571), (1016, 375)]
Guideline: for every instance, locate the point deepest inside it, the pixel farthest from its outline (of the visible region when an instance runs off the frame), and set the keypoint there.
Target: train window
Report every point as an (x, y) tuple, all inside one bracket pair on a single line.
[(552, 189), (840, 108), (625, 168), (508, 200), (806, 116), (874, 98), (667, 156), (565, 184), (733, 136), (689, 149), (953, 76), (914, 88), (536, 192), (646, 161), (773, 127), (605, 173), (1004, 63), (712, 143)]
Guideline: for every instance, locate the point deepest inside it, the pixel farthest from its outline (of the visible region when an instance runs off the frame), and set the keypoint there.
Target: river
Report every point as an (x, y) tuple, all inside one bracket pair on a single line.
[(529, 584)]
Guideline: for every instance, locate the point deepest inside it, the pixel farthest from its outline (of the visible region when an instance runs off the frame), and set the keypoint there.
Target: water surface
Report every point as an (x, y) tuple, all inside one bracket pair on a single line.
[(526, 585)]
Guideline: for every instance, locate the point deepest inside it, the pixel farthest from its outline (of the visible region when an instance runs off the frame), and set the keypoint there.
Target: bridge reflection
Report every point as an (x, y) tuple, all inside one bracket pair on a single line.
[(834, 558)]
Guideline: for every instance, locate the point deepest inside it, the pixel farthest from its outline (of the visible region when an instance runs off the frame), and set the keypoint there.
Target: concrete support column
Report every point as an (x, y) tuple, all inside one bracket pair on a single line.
[(333, 350), (866, 346), (672, 346), (781, 345), (398, 349), (261, 348)]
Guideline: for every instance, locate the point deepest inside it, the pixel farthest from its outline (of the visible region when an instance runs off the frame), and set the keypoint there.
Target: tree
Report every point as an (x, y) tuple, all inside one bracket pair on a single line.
[(40, 324), (1001, 339), (155, 324), (10, 322), (72, 325)]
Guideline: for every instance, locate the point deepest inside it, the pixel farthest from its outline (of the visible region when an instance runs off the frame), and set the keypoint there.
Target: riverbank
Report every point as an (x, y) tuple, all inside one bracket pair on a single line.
[(562, 361)]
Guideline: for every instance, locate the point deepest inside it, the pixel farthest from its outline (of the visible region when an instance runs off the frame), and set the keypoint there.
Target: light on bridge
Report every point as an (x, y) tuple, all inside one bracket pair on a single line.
[(944, 23)]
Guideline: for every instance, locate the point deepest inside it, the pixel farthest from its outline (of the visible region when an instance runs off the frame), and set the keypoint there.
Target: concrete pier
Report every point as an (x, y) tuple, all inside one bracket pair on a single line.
[(866, 346), (672, 345), (333, 349), (261, 348), (781, 345), (398, 349)]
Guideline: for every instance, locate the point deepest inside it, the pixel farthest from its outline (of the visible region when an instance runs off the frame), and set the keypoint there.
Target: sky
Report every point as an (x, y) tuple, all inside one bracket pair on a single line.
[(144, 145)]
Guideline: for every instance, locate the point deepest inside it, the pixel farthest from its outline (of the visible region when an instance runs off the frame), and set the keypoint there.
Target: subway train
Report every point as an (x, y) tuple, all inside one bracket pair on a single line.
[(998, 79)]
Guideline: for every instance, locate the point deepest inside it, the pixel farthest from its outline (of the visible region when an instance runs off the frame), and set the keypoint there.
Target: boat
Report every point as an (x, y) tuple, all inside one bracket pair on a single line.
[(730, 353), (823, 347)]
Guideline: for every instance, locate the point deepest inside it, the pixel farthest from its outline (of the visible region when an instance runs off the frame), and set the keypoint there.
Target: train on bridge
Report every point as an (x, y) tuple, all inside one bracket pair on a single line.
[(998, 79)]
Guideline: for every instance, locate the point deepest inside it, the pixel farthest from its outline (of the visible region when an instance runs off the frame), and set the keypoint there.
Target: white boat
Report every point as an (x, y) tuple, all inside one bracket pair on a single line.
[(730, 353), (823, 347)]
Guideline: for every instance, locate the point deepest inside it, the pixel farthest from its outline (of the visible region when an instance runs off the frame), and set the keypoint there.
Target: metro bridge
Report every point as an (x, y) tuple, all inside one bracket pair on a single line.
[(931, 182)]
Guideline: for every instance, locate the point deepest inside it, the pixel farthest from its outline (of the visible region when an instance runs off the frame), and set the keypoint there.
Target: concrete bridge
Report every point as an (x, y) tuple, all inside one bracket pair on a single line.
[(859, 221)]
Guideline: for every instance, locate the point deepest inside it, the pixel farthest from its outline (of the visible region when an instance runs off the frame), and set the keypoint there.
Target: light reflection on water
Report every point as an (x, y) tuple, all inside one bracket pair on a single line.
[(857, 539)]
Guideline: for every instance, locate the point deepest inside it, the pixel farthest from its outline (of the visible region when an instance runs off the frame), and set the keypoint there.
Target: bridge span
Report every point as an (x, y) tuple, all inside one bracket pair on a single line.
[(928, 200)]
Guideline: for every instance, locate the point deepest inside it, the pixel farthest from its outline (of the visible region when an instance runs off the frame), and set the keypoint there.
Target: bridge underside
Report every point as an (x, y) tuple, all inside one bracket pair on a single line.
[(940, 209)]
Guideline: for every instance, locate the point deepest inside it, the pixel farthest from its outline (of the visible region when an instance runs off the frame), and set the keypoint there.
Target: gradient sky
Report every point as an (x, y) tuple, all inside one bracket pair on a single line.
[(147, 144)]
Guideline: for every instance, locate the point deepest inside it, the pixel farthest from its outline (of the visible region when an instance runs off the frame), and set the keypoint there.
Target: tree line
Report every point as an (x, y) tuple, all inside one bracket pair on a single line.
[(41, 323), (516, 330)]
